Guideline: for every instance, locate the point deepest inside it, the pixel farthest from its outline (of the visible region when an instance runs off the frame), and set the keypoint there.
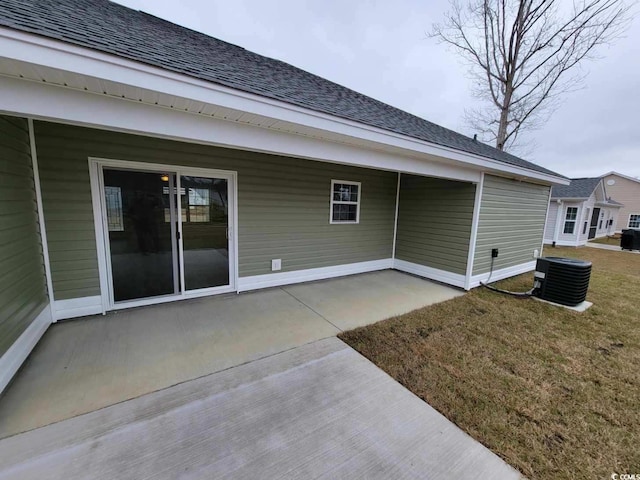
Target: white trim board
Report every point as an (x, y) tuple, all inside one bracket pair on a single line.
[(566, 243), (503, 273), (25, 47), (43, 229), (455, 279), (17, 353), (299, 276), (77, 307), (473, 238), (62, 105)]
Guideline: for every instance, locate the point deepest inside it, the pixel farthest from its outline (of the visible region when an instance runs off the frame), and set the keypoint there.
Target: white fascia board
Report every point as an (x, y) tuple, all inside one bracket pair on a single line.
[(633, 179), (47, 102), (60, 55)]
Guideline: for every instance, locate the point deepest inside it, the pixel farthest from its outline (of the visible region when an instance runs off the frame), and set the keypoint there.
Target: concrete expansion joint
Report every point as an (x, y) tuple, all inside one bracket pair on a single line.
[(311, 308)]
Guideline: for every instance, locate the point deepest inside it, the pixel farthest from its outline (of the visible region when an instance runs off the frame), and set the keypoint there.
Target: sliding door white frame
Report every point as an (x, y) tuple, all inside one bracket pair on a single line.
[(96, 166)]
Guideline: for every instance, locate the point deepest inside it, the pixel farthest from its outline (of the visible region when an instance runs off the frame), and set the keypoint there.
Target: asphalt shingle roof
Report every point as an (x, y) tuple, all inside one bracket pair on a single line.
[(115, 29), (578, 188)]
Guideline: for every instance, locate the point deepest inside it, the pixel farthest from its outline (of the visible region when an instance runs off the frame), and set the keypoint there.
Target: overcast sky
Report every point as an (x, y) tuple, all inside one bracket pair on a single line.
[(380, 48)]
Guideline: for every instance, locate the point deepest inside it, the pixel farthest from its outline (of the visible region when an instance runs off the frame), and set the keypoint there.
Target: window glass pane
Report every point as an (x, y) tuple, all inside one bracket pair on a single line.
[(634, 221), (572, 213), (344, 212), (568, 227)]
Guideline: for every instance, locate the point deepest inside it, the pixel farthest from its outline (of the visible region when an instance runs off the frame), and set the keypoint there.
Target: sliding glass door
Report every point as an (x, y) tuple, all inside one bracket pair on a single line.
[(205, 227), (167, 233), (141, 240)]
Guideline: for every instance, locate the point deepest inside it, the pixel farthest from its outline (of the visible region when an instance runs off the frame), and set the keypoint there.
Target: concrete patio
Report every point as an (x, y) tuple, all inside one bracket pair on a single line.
[(318, 411), (87, 364)]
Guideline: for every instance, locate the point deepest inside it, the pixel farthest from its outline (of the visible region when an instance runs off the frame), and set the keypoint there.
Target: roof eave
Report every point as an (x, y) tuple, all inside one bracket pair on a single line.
[(38, 50)]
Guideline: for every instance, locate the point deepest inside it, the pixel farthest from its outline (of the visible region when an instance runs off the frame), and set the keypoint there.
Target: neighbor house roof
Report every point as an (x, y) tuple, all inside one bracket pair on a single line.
[(633, 179), (108, 27), (578, 188)]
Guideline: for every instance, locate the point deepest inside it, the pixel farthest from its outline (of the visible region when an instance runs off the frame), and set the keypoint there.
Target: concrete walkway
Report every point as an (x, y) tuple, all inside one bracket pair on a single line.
[(83, 365), (603, 246), (318, 411)]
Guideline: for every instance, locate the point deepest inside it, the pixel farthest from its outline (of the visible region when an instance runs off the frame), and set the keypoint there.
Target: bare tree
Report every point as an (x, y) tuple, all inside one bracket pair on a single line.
[(523, 55)]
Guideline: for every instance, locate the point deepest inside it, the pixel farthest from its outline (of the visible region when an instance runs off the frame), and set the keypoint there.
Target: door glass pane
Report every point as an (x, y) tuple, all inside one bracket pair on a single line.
[(141, 234), (205, 220)]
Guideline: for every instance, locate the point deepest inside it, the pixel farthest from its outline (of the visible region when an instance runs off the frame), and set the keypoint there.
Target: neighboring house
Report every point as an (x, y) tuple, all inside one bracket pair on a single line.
[(143, 162), (579, 212), (626, 190)]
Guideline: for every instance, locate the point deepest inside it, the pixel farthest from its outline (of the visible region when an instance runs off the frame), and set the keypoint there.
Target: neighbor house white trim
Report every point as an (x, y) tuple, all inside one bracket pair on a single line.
[(18, 352), (503, 273), (68, 106), (298, 276), (474, 233), (77, 307), (564, 243), (559, 217), (333, 202), (41, 222), (63, 56), (443, 276), (633, 179)]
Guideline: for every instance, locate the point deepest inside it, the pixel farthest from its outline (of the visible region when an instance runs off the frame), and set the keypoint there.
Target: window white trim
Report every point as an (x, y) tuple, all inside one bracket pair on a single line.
[(572, 221), (629, 220), (340, 202)]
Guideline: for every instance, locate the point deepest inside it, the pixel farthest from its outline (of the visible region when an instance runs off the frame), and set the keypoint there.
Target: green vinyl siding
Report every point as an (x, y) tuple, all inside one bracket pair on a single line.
[(283, 204), (434, 222), (23, 292), (512, 216)]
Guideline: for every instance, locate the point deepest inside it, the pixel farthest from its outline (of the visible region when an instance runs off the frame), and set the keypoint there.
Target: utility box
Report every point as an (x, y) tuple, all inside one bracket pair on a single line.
[(630, 240), (562, 280)]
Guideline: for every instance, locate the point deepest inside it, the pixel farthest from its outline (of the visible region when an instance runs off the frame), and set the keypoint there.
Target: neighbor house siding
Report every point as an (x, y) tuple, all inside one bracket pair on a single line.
[(512, 218), (434, 222), (23, 292), (283, 204), (627, 192)]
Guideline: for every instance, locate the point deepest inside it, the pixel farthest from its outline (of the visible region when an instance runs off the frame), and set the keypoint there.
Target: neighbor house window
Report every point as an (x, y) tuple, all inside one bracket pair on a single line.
[(345, 202), (113, 201), (634, 221), (570, 220)]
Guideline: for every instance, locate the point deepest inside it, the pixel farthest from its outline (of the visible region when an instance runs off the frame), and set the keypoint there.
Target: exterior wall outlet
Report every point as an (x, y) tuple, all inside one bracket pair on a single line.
[(536, 253), (494, 253), (276, 264)]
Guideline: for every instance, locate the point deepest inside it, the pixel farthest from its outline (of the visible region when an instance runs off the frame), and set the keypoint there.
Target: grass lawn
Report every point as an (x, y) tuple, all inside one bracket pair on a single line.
[(607, 241), (553, 392)]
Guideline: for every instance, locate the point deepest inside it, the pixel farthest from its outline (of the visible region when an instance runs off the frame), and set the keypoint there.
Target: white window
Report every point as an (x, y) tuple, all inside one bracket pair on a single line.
[(634, 220), (113, 200), (570, 220), (345, 202)]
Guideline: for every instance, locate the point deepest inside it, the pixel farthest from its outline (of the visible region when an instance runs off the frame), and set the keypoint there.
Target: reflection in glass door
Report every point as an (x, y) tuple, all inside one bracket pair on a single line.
[(204, 205), (142, 245), (167, 234)]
